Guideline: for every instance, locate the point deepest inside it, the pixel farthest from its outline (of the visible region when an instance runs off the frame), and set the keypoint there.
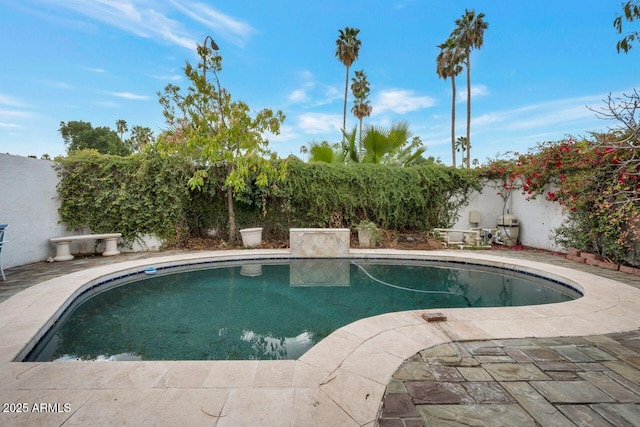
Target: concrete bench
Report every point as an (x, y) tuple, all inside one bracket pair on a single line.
[(63, 251)]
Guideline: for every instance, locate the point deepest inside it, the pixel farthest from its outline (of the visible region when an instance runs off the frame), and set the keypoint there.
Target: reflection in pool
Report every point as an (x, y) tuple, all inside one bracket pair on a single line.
[(269, 309)]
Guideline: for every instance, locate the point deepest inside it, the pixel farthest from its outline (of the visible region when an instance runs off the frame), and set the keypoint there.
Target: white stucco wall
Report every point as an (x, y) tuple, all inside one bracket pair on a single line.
[(487, 203), (537, 218), (29, 206)]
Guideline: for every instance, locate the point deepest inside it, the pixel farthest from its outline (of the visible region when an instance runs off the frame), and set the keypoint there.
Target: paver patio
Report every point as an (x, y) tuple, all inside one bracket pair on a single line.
[(575, 364)]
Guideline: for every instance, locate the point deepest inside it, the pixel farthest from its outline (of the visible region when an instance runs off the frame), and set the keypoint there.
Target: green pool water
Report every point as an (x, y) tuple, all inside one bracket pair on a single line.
[(268, 309)]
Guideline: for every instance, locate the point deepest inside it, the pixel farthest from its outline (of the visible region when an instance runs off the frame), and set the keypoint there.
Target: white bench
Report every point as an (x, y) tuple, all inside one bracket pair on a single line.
[(63, 251)]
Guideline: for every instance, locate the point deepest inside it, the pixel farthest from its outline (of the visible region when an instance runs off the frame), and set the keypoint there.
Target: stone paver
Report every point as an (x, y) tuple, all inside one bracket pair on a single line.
[(583, 416), (585, 381), (548, 382), (475, 415), (602, 369)]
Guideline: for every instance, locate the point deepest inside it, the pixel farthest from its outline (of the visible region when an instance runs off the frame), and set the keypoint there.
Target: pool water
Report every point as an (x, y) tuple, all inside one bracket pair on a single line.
[(269, 309)]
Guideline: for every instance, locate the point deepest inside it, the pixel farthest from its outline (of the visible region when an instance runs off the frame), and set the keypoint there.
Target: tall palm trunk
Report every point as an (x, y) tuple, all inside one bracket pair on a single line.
[(360, 149), (453, 120), (344, 113), (468, 109)]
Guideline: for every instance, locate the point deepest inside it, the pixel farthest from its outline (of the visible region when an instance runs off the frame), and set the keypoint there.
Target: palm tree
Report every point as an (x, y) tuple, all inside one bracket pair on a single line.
[(461, 145), (304, 150), (448, 65), (380, 144), (324, 153), (347, 49), (141, 136), (349, 149), (389, 146), (360, 89), (469, 34), (121, 128), (411, 154)]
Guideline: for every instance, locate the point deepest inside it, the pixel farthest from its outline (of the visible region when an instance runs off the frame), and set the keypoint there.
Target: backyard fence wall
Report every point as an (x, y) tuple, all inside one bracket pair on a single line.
[(537, 218), (30, 207)]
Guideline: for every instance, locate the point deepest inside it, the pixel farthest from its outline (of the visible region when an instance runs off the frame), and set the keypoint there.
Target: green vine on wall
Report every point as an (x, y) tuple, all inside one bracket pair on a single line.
[(394, 197), (134, 195), (147, 194)]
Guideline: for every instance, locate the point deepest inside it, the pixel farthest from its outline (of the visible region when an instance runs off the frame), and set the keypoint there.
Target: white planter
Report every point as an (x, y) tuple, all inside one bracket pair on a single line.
[(251, 237)]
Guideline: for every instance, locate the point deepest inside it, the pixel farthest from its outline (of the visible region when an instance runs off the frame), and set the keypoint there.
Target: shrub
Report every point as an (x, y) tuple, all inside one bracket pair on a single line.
[(134, 195), (595, 180), (148, 194), (394, 197)]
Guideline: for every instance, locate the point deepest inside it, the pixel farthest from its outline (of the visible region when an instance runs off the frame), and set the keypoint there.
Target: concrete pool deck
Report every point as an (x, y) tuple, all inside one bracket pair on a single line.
[(341, 381)]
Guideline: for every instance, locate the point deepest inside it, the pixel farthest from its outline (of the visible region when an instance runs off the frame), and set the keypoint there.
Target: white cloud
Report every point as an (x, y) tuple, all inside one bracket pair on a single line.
[(11, 101), (153, 19), (312, 93), (298, 95), (15, 114), (8, 118), (222, 25), (400, 101), (318, 123), (403, 4), (129, 95), (61, 85), (541, 115), (287, 133), (11, 118), (330, 94), (306, 75), (488, 118), (476, 91), (173, 78)]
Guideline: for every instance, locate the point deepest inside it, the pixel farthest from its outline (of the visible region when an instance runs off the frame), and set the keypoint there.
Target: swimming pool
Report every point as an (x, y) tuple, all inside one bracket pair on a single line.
[(269, 309)]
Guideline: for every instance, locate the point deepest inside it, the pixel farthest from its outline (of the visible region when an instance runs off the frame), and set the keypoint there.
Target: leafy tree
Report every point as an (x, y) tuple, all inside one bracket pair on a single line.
[(211, 129), (631, 11), (347, 49), (448, 65), (360, 89), (468, 35), (79, 135)]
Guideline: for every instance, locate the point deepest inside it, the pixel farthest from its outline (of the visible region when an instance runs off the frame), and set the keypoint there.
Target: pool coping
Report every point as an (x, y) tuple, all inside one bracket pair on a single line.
[(340, 381)]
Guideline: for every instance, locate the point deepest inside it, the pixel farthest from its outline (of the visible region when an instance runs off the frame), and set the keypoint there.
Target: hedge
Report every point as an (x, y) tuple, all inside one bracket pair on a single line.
[(148, 194)]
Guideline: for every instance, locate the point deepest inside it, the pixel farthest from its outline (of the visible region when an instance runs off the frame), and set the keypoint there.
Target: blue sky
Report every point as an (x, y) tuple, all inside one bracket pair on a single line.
[(543, 62)]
